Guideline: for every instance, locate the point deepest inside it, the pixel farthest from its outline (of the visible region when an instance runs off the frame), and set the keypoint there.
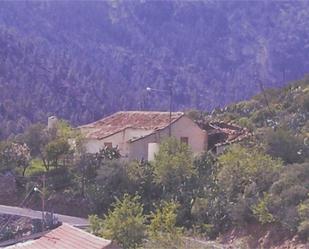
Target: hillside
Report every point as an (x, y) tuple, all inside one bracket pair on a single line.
[(252, 194), (84, 60), (273, 215), (286, 108)]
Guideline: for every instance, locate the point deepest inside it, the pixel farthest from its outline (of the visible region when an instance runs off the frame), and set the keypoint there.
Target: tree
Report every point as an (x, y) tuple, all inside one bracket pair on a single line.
[(141, 176), (55, 151), (162, 230), (87, 164), (285, 145), (244, 175), (173, 165), (14, 156), (125, 223), (36, 137), (303, 212), (242, 167), (287, 192), (209, 207)]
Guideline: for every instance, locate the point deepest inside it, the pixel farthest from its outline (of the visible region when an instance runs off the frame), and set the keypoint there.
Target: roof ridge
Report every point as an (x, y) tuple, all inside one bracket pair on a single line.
[(137, 111), (82, 231), (119, 121)]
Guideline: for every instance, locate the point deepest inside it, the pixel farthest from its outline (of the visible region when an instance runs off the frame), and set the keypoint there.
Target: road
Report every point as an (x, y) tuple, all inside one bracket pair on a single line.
[(74, 221)]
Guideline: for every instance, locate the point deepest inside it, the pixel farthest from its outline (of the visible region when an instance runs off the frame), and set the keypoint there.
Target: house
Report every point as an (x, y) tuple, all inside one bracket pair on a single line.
[(221, 135), (66, 236), (137, 134)]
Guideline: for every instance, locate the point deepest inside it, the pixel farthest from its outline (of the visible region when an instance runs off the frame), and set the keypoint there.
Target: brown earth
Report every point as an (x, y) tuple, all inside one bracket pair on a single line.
[(261, 237)]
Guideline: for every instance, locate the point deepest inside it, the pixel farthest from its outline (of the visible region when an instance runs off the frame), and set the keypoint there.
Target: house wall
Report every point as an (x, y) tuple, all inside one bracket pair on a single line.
[(118, 139), (184, 127), (94, 145)]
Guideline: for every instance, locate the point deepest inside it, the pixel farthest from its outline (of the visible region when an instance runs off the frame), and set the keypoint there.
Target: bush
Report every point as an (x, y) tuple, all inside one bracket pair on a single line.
[(259, 117), (162, 229), (242, 168), (173, 165), (287, 193), (245, 174), (260, 210), (59, 178), (283, 144), (125, 224), (303, 228), (247, 123)]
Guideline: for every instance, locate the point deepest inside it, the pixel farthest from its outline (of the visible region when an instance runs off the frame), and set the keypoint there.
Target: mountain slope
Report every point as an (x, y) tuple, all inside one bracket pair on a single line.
[(83, 60)]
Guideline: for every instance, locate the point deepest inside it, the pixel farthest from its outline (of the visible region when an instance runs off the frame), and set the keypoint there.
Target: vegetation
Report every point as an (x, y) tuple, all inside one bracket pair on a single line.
[(163, 232), (261, 180), (75, 68), (125, 224), (173, 165)]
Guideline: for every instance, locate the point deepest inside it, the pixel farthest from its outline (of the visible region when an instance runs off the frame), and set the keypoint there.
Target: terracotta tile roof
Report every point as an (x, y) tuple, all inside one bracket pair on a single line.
[(66, 237), (234, 133), (131, 119)]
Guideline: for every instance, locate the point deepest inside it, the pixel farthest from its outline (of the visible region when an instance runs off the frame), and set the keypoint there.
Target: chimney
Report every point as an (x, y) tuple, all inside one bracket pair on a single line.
[(52, 122)]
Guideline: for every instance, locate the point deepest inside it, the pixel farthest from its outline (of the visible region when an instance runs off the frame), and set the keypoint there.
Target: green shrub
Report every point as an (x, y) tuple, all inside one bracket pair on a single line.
[(260, 210), (287, 193), (285, 145), (259, 117), (162, 230), (125, 224), (303, 228), (244, 175), (247, 123)]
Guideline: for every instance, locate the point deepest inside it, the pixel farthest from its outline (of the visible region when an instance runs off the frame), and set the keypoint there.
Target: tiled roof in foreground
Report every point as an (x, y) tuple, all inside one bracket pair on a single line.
[(131, 119), (66, 237)]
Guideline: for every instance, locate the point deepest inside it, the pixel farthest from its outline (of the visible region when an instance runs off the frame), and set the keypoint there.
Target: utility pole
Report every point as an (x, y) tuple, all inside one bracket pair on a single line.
[(43, 201), (171, 109), (170, 92), (42, 194)]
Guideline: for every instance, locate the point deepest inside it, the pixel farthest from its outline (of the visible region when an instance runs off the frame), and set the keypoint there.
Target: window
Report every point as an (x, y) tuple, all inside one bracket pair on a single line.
[(108, 145), (184, 140)]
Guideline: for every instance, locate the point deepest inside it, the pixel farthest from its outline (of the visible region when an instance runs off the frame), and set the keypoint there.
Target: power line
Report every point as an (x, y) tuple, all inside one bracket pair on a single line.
[(20, 205)]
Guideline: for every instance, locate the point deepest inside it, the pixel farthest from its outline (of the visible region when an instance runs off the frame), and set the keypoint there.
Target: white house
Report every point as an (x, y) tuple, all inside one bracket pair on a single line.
[(137, 134)]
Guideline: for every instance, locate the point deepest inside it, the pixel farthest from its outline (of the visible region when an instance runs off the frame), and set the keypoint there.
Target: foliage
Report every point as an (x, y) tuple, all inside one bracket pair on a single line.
[(108, 153), (36, 167), (247, 123), (244, 175), (210, 215), (76, 73), (285, 145), (242, 168), (125, 224), (141, 176), (162, 229), (59, 178), (56, 150), (206, 173), (86, 165), (111, 182), (96, 224), (173, 165), (287, 193), (36, 138), (260, 210), (208, 210), (14, 156), (303, 211)]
